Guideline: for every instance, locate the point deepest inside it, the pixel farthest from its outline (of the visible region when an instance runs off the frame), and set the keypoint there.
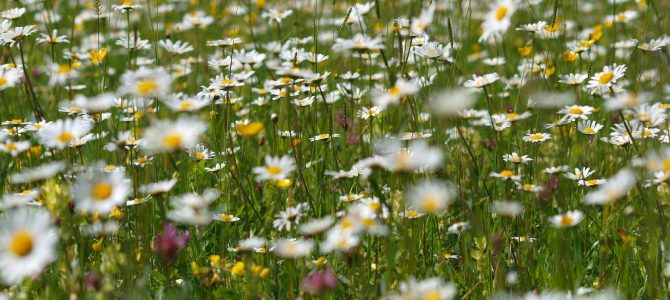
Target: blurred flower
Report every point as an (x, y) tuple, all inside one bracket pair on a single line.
[(27, 244), (320, 281), (170, 242)]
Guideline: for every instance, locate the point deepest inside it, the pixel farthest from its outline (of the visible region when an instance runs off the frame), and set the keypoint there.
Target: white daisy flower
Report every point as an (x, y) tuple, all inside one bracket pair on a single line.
[(97, 191), (27, 244), (569, 219)]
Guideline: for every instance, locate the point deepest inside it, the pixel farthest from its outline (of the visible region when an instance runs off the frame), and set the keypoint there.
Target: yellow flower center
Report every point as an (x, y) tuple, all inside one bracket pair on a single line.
[(65, 137), (512, 116), (501, 12), (430, 204), (172, 140), (3, 80), (226, 217), (146, 86), (575, 111), (536, 137), (274, 170), (506, 173), (394, 91), (666, 164), (186, 105), (62, 69), (588, 130), (101, 191), (412, 214), (199, 155), (567, 220), (592, 182), (21, 243), (226, 82), (11, 146), (605, 77)]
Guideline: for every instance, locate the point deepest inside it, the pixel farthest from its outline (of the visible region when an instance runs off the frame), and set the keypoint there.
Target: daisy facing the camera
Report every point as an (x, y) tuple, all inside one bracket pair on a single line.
[(97, 191), (27, 244)]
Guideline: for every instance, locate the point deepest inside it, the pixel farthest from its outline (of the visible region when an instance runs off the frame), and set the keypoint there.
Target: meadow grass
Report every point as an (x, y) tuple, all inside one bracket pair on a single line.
[(406, 149)]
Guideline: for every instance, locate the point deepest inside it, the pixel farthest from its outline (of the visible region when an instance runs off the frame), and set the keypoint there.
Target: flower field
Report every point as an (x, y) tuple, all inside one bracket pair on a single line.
[(306, 149)]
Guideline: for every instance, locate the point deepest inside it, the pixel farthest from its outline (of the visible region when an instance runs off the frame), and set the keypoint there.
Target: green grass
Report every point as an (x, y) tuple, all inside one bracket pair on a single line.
[(618, 246)]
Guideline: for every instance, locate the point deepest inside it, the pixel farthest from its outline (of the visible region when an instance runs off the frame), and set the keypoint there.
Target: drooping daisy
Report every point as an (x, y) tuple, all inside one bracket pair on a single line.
[(276, 15), (27, 244), (359, 43), (573, 79), (516, 158), (168, 136), (64, 133), (434, 50), (159, 187), (579, 174), (175, 48), (481, 81), (97, 191), (14, 36), (569, 219), (14, 13)]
